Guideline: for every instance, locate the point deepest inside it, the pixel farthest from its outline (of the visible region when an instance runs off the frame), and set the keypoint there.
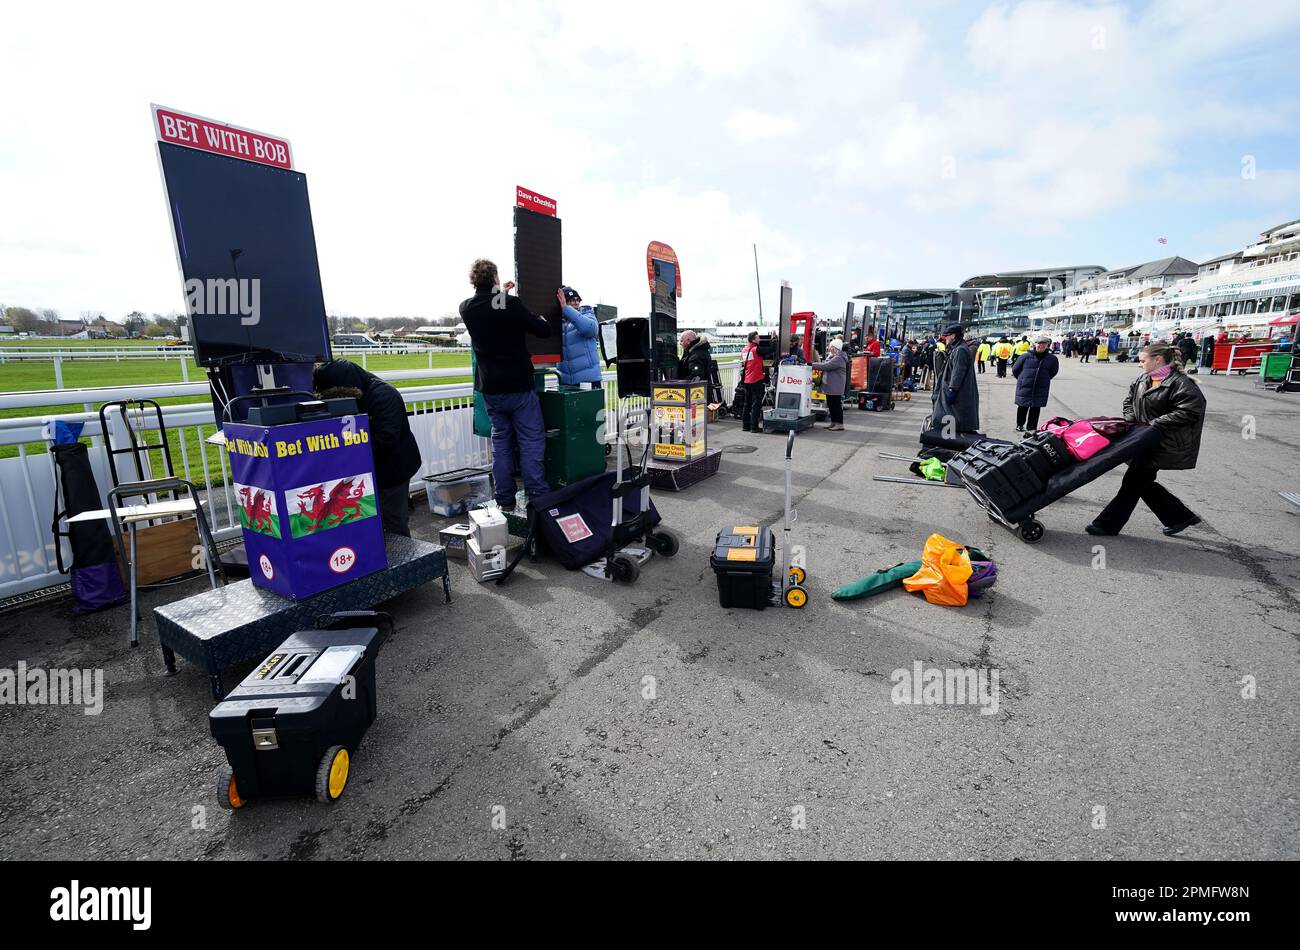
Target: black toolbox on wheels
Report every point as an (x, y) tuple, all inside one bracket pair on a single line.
[(291, 726), (744, 559)]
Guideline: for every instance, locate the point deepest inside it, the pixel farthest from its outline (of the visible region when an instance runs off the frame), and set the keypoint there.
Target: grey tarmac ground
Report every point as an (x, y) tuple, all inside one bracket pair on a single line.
[(1121, 687)]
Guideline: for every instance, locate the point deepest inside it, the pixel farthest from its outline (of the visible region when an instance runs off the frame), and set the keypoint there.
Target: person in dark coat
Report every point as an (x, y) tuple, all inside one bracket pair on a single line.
[(393, 445), (911, 360), (696, 361), (1207, 351), (1167, 398), (956, 396), (1033, 372), (1187, 350), (498, 325)]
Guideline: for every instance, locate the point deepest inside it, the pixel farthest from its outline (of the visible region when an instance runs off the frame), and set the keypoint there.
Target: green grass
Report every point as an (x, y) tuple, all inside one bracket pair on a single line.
[(38, 376), (64, 344)]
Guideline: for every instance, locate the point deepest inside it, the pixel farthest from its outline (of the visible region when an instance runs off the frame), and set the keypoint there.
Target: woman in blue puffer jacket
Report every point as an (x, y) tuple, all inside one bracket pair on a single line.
[(581, 359)]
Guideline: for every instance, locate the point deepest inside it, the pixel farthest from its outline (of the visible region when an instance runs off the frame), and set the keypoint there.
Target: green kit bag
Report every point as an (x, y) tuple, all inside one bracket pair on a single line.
[(887, 578)]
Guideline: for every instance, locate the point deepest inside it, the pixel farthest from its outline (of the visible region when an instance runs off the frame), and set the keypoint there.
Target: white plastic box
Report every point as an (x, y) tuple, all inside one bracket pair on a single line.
[(490, 528), (455, 493)]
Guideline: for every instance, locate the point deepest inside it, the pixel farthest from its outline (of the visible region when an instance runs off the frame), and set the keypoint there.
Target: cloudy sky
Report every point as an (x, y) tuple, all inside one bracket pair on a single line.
[(859, 145)]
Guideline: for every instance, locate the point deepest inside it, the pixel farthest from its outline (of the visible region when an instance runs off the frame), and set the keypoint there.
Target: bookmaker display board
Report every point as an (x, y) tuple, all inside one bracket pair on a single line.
[(242, 226), (306, 498), (679, 416), (539, 269)]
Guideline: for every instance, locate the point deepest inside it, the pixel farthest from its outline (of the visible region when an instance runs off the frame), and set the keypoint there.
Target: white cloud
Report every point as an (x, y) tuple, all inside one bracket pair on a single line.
[(749, 126), (839, 138)]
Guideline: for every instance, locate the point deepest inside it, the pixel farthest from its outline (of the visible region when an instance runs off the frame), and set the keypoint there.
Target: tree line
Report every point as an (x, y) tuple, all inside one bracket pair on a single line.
[(49, 322)]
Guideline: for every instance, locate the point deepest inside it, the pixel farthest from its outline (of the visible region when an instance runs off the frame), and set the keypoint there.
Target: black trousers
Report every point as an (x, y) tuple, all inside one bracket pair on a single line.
[(1140, 485), (1027, 417), (980, 364), (395, 509), (1002, 368), (835, 406), (754, 405)]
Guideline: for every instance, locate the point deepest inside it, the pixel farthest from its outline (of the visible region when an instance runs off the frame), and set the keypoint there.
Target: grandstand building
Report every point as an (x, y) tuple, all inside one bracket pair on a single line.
[(1009, 300), (921, 310), (1115, 298), (1255, 289)]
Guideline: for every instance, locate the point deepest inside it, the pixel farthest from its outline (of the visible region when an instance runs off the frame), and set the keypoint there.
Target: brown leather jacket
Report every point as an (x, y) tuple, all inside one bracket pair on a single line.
[(1177, 408)]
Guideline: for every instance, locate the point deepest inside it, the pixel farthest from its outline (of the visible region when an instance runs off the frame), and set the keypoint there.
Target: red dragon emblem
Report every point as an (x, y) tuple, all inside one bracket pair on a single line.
[(256, 505), (341, 505)]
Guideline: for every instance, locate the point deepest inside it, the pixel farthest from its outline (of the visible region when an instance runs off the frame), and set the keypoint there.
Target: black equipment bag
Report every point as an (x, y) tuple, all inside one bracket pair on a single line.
[(573, 523), (1001, 473), (880, 375), (96, 579), (1048, 454)]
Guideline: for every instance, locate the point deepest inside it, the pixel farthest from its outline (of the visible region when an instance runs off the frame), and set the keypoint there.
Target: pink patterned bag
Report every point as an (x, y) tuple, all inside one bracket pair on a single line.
[(1082, 440)]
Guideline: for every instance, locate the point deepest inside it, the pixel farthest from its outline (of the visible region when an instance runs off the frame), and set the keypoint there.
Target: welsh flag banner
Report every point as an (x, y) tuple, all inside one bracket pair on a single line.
[(324, 505), (257, 510)]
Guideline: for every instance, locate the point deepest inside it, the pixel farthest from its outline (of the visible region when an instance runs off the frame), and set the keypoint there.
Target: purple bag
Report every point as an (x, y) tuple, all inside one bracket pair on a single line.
[(1109, 426), (984, 574)]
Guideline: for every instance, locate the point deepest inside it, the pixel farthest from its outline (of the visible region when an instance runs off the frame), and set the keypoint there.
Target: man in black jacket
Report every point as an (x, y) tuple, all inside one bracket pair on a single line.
[(396, 454), (497, 323), (696, 361)]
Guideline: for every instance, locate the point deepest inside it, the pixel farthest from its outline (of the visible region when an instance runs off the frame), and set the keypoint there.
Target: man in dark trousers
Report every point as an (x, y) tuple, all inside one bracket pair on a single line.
[(397, 456), (497, 323)]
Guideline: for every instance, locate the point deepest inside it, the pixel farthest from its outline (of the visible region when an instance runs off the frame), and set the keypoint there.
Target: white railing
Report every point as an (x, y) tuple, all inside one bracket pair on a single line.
[(441, 420), (184, 356), (161, 351)]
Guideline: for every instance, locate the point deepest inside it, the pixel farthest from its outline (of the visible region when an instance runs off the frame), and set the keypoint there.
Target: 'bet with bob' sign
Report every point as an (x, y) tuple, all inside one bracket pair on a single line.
[(220, 138)]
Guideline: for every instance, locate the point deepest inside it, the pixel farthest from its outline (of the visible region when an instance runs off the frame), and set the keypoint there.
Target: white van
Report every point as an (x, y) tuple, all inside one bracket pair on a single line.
[(354, 339)]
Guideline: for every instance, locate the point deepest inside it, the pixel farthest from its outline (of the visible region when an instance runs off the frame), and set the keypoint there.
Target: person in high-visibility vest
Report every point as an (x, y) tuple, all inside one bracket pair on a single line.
[(982, 355), (1022, 346), (1002, 352)]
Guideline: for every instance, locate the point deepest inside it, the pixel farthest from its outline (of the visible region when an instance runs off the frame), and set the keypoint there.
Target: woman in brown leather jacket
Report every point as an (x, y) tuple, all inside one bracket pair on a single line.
[(1168, 399)]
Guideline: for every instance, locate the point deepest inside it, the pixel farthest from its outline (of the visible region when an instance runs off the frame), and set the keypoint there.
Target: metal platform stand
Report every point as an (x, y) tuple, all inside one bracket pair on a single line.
[(677, 476), (220, 628)]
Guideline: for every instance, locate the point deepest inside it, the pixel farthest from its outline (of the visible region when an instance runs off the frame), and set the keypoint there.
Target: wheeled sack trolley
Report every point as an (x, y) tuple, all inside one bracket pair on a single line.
[(1014, 507)]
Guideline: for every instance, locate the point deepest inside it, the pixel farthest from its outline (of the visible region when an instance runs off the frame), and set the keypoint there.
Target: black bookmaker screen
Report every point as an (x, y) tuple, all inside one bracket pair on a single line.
[(237, 222)]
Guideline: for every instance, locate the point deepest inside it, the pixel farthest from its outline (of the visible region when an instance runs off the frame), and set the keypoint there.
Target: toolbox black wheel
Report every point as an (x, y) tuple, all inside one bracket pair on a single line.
[(664, 542), (1031, 532), (228, 793), (796, 597), (332, 775), (624, 569)]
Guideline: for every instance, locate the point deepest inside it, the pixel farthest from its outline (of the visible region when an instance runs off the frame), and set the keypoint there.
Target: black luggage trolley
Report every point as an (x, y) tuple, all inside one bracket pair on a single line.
[(1020, 518)]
